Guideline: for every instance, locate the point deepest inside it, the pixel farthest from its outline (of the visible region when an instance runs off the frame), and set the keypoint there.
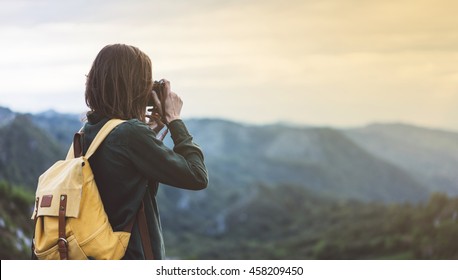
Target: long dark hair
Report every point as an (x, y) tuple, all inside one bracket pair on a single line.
[(119, 82)]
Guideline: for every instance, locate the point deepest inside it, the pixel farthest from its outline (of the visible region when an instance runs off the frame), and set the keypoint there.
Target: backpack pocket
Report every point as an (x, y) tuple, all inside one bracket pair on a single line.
[(106, 244), (74, 251)]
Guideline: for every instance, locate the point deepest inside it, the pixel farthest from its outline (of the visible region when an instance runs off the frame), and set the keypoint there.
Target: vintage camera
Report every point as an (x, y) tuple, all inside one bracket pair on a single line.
[(158, 89)]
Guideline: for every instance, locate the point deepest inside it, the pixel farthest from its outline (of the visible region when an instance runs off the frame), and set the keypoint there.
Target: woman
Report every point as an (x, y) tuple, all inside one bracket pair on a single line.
[(119, 86)]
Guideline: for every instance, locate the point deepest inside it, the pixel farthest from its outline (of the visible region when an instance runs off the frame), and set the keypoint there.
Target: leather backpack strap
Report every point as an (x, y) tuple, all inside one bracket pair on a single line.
[(78, 144), (62, 242), (144, 232), (73, 151)]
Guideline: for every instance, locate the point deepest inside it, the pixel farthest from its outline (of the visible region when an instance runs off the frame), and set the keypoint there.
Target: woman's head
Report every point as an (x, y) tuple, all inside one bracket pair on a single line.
[(119, 82)]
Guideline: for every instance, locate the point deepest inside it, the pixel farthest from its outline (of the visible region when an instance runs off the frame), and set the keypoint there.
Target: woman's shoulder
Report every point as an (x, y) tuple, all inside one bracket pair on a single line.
[(130, 129), (135, 124), (132, 126)]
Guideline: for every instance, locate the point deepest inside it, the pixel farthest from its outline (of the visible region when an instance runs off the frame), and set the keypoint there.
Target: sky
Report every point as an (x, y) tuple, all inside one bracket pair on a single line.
[(330, 62)]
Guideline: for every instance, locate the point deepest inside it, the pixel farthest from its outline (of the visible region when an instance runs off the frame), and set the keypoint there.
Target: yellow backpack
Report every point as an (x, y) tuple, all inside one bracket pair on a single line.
[(70, 220)]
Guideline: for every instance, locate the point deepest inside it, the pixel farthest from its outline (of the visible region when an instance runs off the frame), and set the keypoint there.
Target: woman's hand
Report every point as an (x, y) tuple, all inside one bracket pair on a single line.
[(167, 103), (155, 121)]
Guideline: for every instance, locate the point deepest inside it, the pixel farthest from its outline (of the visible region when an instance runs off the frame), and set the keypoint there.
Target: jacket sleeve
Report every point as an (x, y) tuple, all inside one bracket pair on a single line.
[(182, 167)]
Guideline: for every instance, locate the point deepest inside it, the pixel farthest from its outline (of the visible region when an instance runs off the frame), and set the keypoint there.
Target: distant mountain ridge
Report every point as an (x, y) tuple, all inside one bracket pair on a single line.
[(6, 116), (320, 159), (368, 163), (430, 155), (60, 126)]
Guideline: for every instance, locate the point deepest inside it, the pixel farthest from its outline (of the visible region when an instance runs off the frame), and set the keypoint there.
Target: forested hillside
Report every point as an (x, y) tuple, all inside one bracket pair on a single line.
[(288, 223), (26, 151), (16, 206)]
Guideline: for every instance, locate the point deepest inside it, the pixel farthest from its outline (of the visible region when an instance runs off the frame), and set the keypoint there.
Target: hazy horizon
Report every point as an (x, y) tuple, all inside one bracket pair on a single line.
[(326, 63), (279, 122)]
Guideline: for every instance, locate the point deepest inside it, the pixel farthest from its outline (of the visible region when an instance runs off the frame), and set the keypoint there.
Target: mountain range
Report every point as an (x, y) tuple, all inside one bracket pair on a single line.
[(379, 162), (250, 165)]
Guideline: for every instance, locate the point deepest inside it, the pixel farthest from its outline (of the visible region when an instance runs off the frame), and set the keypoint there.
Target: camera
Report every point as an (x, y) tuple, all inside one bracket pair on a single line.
[(158, 88)]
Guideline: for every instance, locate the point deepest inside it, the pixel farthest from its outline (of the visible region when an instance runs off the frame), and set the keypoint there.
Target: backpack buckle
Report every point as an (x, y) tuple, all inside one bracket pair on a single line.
[(64, 240), (62, 248)]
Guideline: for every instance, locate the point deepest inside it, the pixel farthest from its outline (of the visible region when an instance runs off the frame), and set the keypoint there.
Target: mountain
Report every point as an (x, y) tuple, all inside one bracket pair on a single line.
[(60, 126), (321, 159), (6, 116), (26, 151), (351, 164), (430, 155), (31, 143), (241, 158)]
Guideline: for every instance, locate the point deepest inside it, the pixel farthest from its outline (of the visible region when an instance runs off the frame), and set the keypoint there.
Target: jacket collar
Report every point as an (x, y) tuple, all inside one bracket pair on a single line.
[(93, 117)]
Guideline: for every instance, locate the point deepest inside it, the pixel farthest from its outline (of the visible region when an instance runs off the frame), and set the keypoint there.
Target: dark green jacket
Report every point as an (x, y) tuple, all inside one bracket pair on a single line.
[(131, 156)]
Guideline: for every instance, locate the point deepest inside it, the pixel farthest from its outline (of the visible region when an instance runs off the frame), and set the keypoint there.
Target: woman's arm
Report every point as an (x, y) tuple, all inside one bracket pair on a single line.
[(182, 167)]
